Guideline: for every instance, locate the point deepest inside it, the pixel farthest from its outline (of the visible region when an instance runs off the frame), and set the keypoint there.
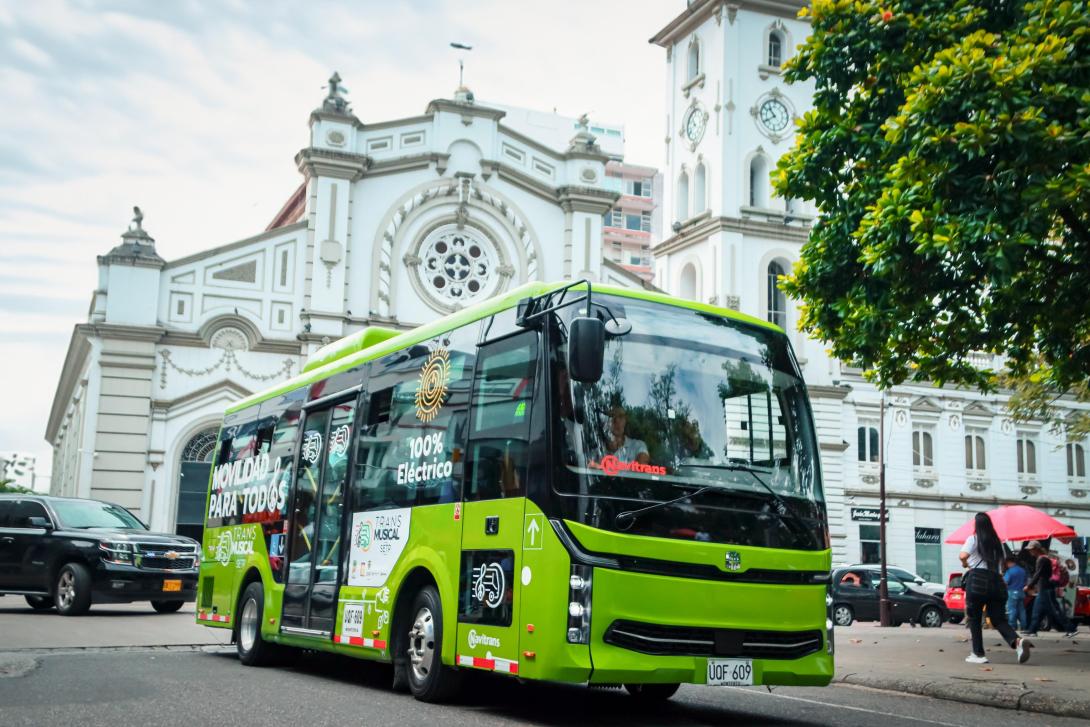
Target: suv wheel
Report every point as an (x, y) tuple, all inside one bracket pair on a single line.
[(931, 618), (39, 603), (73, 592), (167, 606)]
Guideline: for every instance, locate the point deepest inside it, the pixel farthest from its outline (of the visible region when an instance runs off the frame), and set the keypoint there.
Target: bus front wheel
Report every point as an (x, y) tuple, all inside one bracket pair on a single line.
[(429, 680)]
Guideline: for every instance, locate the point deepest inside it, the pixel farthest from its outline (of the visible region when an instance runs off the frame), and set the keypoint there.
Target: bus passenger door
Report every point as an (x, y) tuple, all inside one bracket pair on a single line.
[(310, 592), (491, 574)]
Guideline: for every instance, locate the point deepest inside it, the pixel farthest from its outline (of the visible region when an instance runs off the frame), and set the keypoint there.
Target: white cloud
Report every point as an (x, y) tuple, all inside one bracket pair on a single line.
[(195, 110)]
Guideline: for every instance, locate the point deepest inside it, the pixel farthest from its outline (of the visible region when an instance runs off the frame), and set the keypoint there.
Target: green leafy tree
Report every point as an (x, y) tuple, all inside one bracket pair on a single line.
[(7, 486), (949, 153)]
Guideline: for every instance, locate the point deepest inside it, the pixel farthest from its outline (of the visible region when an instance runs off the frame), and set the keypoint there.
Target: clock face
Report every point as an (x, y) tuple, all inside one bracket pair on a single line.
[(694, 125), (774, 115)]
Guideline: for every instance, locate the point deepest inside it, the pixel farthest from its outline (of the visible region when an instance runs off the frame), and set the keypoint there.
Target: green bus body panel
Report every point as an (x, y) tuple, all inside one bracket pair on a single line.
[(469, 315), (370, 336)]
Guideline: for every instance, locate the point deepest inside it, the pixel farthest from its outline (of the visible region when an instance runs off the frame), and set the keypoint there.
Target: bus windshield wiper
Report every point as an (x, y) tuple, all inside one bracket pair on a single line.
[(625, 519), (785, 511)]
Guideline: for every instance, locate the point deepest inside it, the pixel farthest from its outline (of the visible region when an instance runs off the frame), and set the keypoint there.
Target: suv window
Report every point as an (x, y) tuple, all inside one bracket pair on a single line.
[(23, 511), (6, 506)]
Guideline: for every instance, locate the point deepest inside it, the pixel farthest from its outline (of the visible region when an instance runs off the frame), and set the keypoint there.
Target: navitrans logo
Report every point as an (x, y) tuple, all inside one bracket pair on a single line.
[(431, 390)]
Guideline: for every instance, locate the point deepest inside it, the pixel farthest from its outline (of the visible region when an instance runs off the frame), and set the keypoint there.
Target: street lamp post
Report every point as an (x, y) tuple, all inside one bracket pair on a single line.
[(883, 591)]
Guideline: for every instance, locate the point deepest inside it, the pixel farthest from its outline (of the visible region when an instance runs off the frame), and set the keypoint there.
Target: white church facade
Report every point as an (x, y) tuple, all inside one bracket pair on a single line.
[(396, 223), (949, 452)]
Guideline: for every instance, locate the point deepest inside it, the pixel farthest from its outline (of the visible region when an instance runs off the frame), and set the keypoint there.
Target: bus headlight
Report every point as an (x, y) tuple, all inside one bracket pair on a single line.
[(829, 619), (579, 594)]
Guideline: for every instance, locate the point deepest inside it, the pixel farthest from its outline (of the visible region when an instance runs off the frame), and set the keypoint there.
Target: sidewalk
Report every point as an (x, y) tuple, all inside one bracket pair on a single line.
[(1056, 680)]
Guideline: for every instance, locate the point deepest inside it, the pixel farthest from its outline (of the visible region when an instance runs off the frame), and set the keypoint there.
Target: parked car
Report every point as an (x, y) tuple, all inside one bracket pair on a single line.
[(955, 604), (907, 577), (69, 553), (954, 598), (855, 598)]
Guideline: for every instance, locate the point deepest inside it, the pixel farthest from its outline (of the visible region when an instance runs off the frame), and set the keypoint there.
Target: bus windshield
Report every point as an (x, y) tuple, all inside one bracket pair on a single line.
[(693, 401)]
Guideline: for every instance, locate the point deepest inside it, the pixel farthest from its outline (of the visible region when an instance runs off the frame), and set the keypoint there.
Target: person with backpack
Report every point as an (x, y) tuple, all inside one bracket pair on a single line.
[(1045, 602), (982, 556)]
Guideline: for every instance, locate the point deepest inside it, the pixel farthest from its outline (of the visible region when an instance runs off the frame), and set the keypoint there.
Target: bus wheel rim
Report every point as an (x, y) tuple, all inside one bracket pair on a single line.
[(247, 631), (422, 644), (67, 589)]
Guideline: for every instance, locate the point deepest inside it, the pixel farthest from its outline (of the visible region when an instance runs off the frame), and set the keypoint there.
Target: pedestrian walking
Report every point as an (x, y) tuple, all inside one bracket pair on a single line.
[(1015, 578), (1045, 602), (982, 556)]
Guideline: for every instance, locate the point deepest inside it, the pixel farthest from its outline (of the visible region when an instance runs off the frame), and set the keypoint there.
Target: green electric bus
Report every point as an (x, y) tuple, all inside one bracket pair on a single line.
[(600, 486)]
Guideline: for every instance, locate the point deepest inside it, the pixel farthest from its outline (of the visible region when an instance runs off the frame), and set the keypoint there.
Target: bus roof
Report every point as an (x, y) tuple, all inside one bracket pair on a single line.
[(374, 342)]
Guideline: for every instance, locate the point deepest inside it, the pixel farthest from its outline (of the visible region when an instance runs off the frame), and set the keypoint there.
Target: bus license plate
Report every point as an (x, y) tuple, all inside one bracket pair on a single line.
[(730, 672), (172, 585)]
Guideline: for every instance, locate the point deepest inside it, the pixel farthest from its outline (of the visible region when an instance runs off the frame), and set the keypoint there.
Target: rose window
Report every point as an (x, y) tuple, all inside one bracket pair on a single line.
[(457, 266)]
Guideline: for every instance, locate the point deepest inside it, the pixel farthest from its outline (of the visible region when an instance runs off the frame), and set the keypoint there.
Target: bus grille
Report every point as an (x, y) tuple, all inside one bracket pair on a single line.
[(690, 641)]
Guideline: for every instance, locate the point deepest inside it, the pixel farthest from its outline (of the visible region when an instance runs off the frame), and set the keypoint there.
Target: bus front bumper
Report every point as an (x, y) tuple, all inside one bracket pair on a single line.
[(661, 629)]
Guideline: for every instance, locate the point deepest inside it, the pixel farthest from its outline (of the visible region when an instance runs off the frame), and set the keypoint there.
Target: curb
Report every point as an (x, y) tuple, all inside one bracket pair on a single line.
[(1002, 696)]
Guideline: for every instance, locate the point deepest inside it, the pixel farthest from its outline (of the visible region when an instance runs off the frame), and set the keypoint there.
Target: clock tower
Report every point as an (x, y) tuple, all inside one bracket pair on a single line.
[(730, 115)]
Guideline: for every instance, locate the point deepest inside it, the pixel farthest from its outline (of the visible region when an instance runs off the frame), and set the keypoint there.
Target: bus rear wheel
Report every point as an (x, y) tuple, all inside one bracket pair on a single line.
[(429, 680), (252, 649), (652, 692)]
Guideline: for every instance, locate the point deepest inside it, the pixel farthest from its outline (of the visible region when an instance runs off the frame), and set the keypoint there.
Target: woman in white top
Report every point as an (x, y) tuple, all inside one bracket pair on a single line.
[(983, 555)]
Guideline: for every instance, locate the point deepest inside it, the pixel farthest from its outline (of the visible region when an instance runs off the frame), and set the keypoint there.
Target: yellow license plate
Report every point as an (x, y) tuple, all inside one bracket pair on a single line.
[(172, 585)]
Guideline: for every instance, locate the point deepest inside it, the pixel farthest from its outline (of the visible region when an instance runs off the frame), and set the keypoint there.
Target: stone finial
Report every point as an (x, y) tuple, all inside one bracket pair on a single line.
[(137, 246), (335, 101), (584, 141)]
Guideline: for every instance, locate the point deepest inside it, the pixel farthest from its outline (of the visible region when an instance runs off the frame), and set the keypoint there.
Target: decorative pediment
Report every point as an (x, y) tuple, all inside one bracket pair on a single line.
[(977, 409), (925, 405)]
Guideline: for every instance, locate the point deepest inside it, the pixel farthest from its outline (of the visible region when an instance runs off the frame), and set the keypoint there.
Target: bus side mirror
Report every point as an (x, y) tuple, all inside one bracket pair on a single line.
[(586, 349)]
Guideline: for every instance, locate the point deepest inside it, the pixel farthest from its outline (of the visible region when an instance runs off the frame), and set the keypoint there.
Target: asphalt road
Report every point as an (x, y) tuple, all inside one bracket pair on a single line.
[(127, 665), (207, 685)]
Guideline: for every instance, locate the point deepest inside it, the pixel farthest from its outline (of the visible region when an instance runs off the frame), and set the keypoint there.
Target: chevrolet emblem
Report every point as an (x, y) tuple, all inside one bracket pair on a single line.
[(171, 555)]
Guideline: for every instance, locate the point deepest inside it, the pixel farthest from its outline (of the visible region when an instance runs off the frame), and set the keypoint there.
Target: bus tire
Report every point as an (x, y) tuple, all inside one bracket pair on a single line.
[(429, 679), (652, 692), (252, 649)]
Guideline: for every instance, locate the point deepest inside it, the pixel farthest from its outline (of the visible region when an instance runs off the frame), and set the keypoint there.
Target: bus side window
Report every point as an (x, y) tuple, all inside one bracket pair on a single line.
[(409, 450), (499, 433)]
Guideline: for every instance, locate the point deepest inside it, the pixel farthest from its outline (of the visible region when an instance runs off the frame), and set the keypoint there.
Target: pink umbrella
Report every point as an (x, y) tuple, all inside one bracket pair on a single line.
[(1019, 522)]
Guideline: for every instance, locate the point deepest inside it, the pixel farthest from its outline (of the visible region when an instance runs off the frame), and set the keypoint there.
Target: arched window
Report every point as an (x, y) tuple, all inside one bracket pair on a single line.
[(194, 468), (775, 49), (1027, 456), (867, 444), (683, 197), (758, 182), (688, 282), (974, 453), (700, 189), (922, 449), (694, 60), (777, 301), (1076, 461)]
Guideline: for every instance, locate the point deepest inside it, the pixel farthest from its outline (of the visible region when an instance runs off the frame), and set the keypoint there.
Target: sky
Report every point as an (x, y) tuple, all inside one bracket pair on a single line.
[(194, 111)]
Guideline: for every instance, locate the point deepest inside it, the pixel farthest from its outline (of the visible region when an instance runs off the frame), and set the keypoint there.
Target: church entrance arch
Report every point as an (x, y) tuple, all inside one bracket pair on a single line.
[(194, 469)]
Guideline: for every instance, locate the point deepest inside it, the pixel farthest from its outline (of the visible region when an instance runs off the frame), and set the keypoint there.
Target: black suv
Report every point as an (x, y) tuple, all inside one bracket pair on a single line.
[(68, 553), (855, 598)]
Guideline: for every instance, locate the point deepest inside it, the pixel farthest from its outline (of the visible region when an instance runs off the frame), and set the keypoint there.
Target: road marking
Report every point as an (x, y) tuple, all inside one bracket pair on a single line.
[(845, 706)]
